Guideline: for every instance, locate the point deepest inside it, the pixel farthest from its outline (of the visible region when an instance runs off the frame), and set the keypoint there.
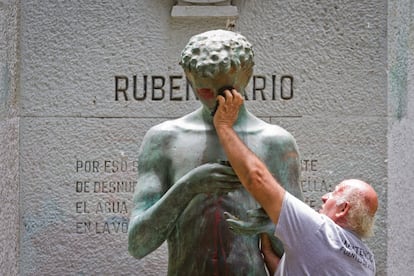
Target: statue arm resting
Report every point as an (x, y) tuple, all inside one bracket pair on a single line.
[(154, 216), (157, 201)]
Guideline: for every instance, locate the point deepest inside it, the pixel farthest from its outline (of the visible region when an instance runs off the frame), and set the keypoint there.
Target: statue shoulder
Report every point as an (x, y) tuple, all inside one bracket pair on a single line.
[(277, 135), (271, 130), (162, 131), (279, 131), (156, 139)]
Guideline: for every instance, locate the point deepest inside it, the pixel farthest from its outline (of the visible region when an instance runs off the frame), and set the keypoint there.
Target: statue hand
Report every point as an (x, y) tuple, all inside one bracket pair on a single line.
[(211, 178), (258, 222)]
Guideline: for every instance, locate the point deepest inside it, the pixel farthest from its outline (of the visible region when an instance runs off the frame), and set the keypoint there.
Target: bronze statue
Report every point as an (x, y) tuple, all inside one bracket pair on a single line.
[(186, 188)]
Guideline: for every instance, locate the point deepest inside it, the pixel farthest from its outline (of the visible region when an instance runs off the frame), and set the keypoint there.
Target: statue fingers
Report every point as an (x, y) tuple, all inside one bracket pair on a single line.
[(257, 213), (230, 216)]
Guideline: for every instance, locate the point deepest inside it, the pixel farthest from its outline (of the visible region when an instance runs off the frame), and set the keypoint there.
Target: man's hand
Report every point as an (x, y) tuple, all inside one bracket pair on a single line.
[(271, 257), (228, 109)]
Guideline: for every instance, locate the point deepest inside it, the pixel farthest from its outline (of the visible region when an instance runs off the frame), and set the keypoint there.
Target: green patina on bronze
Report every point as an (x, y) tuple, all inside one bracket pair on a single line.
[(217, 52), (185, 186)]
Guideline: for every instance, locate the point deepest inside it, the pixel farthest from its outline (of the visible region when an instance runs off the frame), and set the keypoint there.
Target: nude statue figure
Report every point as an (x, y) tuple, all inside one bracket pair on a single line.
[(186, 188)]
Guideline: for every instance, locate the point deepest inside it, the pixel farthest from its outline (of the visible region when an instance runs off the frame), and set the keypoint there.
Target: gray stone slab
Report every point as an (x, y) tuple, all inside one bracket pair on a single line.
[(78, 178), (9, 195), (337, 60), (321, 72), (73, 209)]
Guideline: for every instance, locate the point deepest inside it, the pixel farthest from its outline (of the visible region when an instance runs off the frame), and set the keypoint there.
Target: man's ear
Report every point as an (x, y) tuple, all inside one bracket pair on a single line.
[(342, 210)]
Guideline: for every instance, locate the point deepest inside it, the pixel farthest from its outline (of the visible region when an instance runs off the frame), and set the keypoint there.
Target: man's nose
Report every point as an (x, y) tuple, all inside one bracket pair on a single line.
[(325, 197)]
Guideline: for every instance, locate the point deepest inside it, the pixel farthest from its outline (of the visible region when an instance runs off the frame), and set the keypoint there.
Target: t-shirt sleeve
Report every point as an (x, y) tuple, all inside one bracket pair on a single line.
[(296, 222)]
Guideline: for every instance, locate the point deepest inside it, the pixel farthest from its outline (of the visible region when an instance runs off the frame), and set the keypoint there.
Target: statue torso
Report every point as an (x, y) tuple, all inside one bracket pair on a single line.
[(201, 242)]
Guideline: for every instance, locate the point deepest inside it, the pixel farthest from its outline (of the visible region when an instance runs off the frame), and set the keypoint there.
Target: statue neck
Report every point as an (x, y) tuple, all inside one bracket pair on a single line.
[(208, 119)]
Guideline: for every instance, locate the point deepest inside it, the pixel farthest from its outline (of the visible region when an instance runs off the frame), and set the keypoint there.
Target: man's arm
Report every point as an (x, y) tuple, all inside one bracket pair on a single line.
[(269, 256), (252, 172)]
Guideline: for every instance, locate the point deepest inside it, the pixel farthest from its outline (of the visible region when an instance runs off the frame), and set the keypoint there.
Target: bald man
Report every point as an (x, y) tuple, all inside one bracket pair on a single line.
[(324, 243)]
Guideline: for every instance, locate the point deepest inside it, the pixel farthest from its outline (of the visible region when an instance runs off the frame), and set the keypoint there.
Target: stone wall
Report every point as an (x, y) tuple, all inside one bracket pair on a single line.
[(9, 138), (400, 223), (81, 83)]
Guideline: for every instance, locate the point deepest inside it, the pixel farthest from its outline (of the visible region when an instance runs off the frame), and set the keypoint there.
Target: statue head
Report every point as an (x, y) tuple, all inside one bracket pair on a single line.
[(214, 59)]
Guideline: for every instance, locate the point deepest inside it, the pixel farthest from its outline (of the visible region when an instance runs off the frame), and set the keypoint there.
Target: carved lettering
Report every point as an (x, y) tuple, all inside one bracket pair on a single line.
[(82, 187), (309, 165), (314, 184), (114, 186), (119, 207), (174, 87), (107, 166), (286, 87), (257, 87), (311, 202), (87, 166), (106, 227), (161, 85), (113, 208), (121, 88), (158, 83), (144, 93), (81, 207)]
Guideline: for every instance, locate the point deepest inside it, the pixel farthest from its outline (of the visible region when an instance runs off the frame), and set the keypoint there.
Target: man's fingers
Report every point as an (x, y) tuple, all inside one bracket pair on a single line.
[(220, 100), (237, 97), (230, 96)]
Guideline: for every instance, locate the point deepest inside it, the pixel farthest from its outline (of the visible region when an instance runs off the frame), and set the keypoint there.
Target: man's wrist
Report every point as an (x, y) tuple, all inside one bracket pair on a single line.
[(224, 129)]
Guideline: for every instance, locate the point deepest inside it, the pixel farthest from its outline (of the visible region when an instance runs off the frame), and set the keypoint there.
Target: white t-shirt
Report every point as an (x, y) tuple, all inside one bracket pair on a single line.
[(315, 245)]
